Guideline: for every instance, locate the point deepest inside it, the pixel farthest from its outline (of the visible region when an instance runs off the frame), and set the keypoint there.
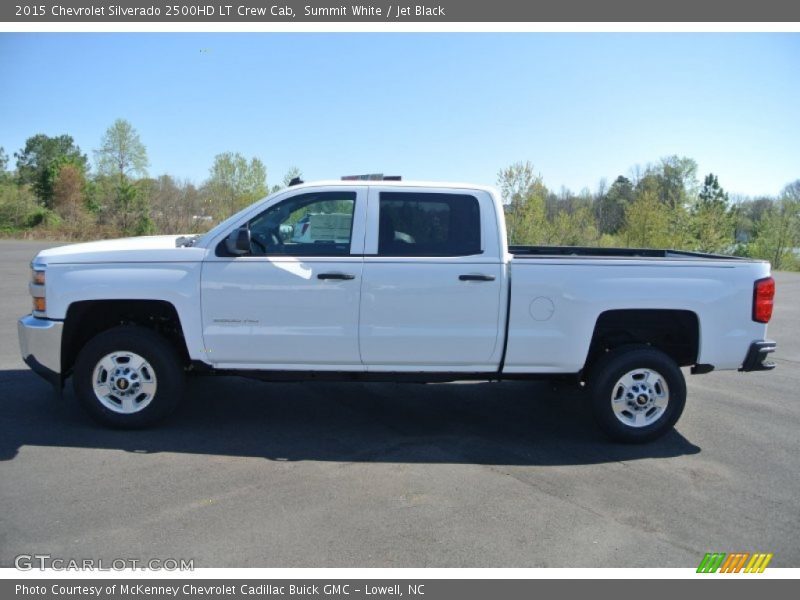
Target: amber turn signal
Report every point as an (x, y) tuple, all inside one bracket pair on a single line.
[(39, 304)]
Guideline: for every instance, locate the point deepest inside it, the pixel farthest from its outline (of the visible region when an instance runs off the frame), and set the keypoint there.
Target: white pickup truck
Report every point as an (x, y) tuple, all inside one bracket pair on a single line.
[(424, 289)]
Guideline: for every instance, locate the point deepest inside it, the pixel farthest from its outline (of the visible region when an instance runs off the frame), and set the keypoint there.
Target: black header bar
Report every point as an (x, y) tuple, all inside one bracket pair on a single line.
[(143, 11)]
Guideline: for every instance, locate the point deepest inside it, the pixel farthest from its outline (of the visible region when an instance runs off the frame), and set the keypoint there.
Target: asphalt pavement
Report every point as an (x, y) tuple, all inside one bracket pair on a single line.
[(513, 474)]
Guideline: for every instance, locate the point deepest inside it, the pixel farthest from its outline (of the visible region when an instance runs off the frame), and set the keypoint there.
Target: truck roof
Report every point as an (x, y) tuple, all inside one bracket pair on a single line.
[(398, 184)]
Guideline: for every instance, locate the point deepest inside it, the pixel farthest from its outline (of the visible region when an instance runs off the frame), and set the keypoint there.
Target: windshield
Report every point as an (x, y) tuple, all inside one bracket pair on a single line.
[(228, 223)]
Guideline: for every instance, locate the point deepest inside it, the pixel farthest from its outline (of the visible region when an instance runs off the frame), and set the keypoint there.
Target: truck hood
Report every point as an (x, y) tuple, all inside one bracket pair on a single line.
[(156, 248)]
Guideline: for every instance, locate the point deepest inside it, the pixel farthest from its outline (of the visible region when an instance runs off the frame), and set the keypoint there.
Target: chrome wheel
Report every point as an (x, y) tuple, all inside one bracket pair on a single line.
[(640, 397), (124, 382)]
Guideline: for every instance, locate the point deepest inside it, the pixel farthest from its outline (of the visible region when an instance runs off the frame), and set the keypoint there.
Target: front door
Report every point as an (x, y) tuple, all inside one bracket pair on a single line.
[(292, 302)]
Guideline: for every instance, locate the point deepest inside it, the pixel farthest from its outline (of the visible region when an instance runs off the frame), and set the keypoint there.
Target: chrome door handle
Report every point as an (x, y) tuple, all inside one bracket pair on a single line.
[(341, 276)]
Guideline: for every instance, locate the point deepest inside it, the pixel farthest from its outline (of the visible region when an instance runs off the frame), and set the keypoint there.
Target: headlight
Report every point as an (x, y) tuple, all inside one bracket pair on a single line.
[(37, 277)]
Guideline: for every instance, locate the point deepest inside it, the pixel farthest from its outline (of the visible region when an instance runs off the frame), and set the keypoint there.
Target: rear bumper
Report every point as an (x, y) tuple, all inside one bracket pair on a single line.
[(40, 344), (757, 355)]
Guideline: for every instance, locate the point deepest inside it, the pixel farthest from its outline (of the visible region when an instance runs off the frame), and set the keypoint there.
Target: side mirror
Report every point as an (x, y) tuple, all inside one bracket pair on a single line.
[(238, 242)]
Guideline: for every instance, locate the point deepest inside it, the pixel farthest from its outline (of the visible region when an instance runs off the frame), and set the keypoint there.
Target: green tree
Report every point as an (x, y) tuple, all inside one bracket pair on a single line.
[(674, 182), (679, 228), (792, 191), (778, 231), (712, 191), (516, 182), (610, 207), (18, 208), (524, 197), (712, 222), (574, 228), (39, 162), (175, 206), (132, 210), (121, 153), (5, 176), (647, 220), (747, 213), (68, 193), (235, 182), (677, 181)]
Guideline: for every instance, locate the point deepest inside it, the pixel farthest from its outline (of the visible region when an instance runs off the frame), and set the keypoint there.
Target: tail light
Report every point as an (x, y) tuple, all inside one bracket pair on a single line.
[(763, 299)]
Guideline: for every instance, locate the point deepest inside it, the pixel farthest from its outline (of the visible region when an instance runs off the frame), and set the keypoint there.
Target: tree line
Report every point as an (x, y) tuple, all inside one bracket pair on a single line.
[(661, 205), (54, 191)]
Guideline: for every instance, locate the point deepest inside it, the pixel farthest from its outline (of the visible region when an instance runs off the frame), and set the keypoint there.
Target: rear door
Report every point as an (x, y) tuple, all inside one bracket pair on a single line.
[(431, 289)]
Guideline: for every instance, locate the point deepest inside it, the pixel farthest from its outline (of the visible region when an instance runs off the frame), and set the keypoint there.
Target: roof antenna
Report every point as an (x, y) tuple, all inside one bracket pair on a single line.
[(295, 181)]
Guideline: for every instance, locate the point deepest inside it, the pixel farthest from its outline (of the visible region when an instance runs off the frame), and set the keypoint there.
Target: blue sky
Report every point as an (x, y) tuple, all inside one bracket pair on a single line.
[(443, 106)]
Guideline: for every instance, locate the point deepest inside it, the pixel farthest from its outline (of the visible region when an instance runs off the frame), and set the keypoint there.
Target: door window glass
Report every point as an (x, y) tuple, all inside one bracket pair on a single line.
[(314, 224), (428, 224)]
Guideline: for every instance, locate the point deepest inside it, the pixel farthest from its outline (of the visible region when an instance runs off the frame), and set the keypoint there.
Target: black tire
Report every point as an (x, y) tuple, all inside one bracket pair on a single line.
[(167, 373), (602, 385)]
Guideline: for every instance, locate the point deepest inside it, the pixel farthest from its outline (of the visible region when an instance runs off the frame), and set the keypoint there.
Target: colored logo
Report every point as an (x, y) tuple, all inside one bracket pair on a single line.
[(744, 562)]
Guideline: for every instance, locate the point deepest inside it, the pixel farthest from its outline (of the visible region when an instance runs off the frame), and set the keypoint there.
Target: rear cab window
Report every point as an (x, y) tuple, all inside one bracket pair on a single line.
[(428, 224)]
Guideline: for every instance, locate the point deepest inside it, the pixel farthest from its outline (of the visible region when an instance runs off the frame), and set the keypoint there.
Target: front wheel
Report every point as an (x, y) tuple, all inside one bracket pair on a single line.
[(637, 394), (128, 377)]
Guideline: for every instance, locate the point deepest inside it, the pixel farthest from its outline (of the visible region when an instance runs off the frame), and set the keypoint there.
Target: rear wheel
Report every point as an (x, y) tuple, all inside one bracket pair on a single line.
[(637, 394), (128, 377)]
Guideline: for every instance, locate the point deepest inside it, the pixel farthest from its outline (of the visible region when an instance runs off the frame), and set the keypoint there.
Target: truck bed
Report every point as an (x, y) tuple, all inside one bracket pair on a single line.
[(593, 252)]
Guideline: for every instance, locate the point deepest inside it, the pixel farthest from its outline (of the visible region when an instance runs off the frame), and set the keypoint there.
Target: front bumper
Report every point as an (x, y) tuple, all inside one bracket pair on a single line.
[(757, 355), (40, 344)]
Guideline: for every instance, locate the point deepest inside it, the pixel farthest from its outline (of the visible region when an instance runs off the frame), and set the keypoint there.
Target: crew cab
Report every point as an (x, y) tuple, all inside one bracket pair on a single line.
[(414, 282)]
